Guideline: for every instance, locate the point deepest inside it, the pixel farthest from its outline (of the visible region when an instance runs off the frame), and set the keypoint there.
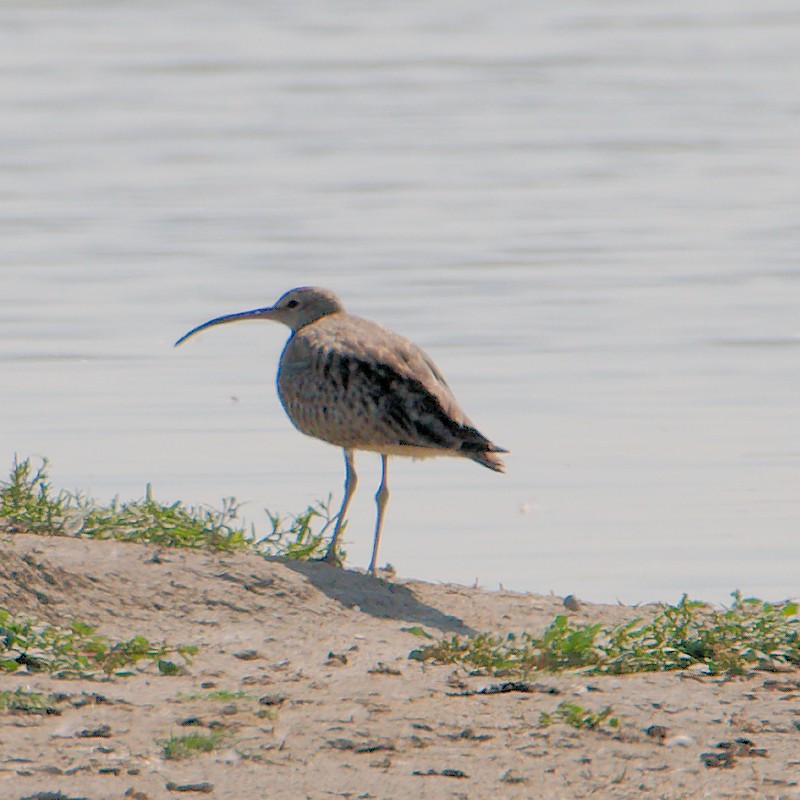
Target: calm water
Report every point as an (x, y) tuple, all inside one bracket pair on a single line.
[(587, 212)]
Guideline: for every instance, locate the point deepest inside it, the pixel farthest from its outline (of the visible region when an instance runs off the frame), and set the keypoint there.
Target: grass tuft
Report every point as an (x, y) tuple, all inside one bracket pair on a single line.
[(751, 634), (222, 695), (29, 504), (27, 702), (578, 717), (74, 652), (294, 536), (179, 747)]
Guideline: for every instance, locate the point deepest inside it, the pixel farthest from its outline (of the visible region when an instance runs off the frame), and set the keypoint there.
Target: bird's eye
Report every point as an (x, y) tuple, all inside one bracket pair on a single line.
[(292, 304)]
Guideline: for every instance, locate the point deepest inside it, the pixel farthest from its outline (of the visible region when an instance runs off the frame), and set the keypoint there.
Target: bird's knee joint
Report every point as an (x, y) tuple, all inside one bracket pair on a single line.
[(382, 495)]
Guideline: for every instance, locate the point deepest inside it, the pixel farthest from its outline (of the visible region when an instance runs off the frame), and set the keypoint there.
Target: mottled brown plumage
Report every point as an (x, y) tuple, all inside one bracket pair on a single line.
[(360, 386)]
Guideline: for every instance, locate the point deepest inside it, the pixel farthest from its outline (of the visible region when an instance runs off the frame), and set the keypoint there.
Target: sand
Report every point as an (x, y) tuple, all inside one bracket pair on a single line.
[(317, 698)]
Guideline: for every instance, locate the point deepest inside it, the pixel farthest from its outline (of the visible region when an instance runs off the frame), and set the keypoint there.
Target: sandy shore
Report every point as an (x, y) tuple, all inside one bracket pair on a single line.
[(303, 672)]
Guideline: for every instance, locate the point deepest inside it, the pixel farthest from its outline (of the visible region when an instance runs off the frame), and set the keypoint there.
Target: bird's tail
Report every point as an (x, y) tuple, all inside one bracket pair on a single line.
[(490, 458)]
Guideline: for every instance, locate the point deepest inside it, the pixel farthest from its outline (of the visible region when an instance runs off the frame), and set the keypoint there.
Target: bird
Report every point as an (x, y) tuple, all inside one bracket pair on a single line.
[(357, 385)]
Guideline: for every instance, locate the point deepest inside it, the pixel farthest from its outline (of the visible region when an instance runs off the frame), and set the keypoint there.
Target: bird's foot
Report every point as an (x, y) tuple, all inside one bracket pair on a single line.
[(387, 572), (331, 557)]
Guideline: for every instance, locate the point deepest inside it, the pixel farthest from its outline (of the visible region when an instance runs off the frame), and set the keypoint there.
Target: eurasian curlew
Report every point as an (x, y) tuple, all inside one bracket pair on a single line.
[(358, 385)]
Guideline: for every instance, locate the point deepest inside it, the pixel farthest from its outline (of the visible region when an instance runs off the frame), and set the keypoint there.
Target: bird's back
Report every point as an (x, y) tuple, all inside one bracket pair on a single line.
[(356, 384)]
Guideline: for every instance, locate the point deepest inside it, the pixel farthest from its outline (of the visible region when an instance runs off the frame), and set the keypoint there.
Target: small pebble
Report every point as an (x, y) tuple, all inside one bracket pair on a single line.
[(571, 603), (679, 740), (272, 700), (102, 732), (247, 655), (204, 787), (698, 669), (658, 732), (336, 659)]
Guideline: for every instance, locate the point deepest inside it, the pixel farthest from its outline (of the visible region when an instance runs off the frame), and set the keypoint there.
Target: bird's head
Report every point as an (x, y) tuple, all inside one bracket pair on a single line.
[(296, 308)]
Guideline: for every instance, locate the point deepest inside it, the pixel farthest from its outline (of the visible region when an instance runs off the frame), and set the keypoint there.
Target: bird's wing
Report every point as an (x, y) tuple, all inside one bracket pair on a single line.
[(375, 345), (399, 380)]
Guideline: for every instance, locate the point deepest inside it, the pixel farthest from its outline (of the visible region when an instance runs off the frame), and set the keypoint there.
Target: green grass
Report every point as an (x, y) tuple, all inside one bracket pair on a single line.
[(222, 695), (295, 537), (27, 702), (29, 504), (750, 634), (249, 702), (77, 651), (179, 747), (578, 717)]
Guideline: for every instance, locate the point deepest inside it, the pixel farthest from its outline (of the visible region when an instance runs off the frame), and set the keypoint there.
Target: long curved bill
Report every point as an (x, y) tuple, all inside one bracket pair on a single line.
[(258, 313)]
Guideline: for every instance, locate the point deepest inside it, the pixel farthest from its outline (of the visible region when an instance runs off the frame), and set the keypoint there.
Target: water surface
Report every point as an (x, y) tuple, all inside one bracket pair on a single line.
[(586, 212)]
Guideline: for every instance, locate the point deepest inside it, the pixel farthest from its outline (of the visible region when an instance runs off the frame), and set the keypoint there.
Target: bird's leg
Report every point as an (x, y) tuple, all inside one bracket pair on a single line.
[(382, 498), (350, 483)]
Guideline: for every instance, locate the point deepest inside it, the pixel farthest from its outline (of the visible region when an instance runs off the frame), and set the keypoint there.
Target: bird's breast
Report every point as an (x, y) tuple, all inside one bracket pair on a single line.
[(316, 392)]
